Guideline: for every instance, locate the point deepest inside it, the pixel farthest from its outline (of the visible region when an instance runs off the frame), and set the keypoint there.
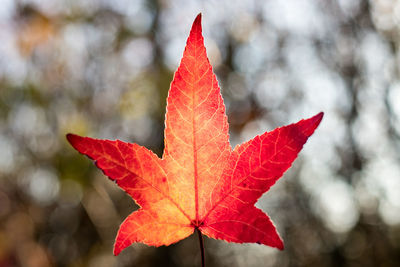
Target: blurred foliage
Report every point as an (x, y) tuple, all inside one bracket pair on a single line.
[(103, 68)]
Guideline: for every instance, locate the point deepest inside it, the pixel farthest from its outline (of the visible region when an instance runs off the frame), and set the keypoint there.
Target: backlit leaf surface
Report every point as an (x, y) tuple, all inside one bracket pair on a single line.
[(200, 182)]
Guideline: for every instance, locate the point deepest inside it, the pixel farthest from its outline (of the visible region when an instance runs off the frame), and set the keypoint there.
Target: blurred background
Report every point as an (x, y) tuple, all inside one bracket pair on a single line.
[(103, 68)]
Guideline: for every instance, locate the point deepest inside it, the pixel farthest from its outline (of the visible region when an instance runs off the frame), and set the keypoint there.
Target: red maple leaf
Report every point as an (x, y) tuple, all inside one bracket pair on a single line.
[(200, 182)]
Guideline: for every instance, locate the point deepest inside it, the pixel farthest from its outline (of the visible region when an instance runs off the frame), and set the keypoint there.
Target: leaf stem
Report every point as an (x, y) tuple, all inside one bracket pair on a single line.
[(203, 264)]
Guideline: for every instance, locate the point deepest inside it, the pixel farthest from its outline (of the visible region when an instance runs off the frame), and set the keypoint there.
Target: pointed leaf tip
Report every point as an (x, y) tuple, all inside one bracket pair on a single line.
[(196, 26), (197, 20), (77, 142), (318, 117), (312, 123), (281, 246), (72, 138), (316, 120), (116, 250)]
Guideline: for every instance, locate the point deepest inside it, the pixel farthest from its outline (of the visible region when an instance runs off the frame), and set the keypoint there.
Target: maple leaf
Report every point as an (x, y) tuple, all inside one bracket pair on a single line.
[(200, 182)]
